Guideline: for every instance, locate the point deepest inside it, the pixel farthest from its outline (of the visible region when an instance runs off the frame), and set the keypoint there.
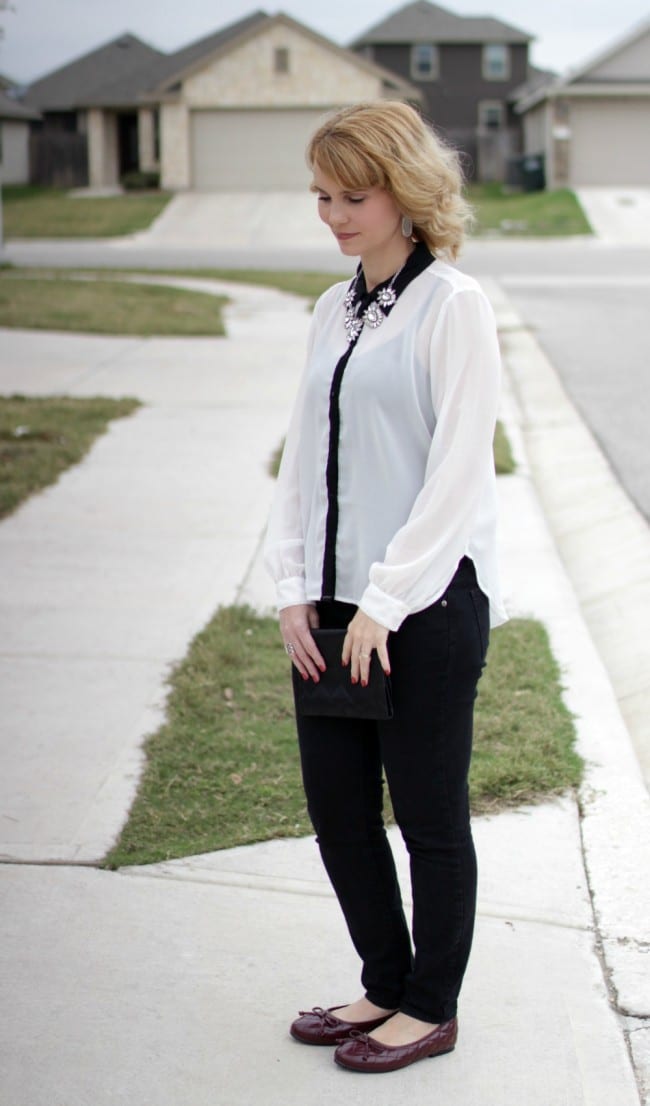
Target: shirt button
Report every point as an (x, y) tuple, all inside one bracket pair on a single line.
[(443, 603)]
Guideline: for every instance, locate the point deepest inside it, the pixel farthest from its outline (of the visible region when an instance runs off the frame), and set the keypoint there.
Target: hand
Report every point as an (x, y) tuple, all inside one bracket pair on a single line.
[(364, 635), (296, 624)]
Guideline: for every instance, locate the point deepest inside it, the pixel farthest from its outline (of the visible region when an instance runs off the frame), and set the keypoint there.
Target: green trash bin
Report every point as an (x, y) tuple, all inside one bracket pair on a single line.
[(533, 173)]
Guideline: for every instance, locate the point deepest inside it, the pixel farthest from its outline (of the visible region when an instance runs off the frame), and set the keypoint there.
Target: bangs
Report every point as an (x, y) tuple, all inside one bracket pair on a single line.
[(339, 158)]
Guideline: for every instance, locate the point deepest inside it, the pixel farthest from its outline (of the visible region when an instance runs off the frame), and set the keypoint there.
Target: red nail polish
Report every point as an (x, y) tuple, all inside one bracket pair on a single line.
[(364, 683)]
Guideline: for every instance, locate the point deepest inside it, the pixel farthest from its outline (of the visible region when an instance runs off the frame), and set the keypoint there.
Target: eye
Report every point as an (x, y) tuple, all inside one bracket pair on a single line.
[(322, 199), (356, 199)]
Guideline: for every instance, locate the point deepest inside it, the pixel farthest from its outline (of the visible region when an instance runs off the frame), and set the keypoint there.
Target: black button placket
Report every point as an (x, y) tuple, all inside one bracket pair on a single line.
[(419, 260)]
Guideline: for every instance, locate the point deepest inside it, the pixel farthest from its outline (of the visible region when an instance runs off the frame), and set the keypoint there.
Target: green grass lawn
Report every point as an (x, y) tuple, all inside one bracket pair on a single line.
[(526, 214), (40, 438), (310, 285), (33, 212), (503, 460), (223, 769), (105, 306)]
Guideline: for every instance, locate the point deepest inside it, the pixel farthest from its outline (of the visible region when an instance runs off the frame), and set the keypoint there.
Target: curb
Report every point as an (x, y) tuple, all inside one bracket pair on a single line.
[(587, 511)]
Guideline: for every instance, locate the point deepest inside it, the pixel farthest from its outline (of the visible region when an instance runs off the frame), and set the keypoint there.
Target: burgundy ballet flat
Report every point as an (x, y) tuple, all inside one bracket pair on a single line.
[(322, 1027), (362, 1053)]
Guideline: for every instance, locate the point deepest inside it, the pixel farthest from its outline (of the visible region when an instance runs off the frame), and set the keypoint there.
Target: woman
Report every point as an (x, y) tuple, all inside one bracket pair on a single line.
[(384, 523)]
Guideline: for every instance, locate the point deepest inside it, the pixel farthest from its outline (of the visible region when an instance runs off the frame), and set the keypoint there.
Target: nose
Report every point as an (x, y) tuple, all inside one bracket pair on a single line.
[(337, 216)]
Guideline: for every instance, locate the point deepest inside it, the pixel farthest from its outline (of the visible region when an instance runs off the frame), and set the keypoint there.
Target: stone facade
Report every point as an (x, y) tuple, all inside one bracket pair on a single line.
[(103, 168), (246, 77), (14, 139), (174, 147), (148, 160)]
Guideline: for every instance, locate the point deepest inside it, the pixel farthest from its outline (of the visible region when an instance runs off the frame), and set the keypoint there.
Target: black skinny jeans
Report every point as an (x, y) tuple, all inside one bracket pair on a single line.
[(436, 660)]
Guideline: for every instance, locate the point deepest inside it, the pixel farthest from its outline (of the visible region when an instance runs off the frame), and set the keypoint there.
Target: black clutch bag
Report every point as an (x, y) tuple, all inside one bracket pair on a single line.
[(335, 694)]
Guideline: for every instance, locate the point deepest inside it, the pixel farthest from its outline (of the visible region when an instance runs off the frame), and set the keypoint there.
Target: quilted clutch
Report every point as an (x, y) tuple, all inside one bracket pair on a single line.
[(335, 694)]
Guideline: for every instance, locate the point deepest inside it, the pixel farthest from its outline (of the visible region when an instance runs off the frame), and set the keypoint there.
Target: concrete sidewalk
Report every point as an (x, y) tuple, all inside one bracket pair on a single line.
[(618, 215), (174, 983)]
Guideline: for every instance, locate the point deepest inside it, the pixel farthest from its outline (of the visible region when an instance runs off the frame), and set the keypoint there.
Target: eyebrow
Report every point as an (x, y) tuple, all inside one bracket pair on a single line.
[(313, 187)]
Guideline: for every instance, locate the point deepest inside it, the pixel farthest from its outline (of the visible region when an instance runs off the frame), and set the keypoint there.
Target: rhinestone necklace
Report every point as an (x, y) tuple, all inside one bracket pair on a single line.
[(375, 312)]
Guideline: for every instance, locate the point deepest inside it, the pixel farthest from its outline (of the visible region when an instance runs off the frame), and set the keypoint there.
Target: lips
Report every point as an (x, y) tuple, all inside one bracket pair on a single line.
[(345, 237)]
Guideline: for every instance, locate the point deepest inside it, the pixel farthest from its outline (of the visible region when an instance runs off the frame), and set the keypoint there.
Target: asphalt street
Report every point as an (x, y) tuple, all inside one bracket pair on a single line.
[(597, 337)]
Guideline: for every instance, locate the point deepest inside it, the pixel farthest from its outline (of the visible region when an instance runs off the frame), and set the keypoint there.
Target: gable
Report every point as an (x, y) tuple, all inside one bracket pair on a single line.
[(116, 71), (631, 62), (425, 22), (317, 75)]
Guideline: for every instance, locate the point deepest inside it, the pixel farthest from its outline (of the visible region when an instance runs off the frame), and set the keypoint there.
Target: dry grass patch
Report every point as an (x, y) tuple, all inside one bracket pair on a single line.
[(223, 769)]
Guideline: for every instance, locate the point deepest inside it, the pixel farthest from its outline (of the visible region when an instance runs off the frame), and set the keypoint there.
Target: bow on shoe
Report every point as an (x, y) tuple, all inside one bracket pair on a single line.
[(363, 1040), (326, 1019)]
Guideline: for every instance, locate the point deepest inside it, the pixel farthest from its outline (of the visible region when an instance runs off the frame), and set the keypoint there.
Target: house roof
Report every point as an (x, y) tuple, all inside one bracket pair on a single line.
[(113, 75), (424, 22), (536, 80), (585, 71), (194, 57), (581, 80), (10, 109), (188, 57)]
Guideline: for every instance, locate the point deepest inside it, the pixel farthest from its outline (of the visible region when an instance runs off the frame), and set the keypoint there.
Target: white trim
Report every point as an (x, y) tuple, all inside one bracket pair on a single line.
[(490, 105), (565, 85), (435, 56), (620, 44), (487, 76)]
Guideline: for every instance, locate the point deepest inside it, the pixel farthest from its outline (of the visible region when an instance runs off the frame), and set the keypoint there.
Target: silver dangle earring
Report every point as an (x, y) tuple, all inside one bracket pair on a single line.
[(407, 226)]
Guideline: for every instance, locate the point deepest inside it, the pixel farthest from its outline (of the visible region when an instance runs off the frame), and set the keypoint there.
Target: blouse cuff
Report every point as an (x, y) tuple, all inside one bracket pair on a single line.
[(291, 592), (383, 608)]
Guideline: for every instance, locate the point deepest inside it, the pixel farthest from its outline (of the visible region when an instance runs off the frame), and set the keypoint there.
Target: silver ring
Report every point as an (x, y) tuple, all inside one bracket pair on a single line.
[(366, 656), (290, 648)]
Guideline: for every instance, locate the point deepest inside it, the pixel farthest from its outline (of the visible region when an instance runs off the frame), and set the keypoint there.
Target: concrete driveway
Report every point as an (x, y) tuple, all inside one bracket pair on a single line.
[(240, 220), (618, 215)]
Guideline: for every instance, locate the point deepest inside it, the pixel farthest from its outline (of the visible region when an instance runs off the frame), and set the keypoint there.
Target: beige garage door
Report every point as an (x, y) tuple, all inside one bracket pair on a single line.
[(609, 143), (251, 151)]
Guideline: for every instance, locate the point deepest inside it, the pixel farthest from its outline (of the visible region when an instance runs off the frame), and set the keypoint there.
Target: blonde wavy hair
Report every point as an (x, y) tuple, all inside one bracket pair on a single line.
[(388, 145)]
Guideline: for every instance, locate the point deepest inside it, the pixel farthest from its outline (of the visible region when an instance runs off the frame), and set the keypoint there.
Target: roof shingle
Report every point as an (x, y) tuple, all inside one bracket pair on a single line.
[(424, 22)]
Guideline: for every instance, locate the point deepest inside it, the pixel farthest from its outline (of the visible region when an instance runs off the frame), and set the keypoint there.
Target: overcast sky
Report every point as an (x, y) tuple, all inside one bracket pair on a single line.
[(40, 35)]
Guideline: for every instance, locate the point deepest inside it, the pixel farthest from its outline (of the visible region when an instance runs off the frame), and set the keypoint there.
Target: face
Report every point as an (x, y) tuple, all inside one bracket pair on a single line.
[(366, 222)]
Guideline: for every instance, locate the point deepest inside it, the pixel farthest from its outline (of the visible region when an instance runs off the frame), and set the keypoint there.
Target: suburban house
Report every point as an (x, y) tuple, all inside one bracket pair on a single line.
[(93, 128), (593, 125), (465, 68), (231, 112), (15, 121)]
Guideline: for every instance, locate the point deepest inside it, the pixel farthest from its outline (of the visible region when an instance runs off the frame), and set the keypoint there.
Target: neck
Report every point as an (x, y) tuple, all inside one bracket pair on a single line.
[(377, 268)]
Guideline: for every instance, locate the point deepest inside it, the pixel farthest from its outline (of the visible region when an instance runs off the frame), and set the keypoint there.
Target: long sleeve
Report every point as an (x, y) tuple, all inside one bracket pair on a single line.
[(464, 367), (284, 545)]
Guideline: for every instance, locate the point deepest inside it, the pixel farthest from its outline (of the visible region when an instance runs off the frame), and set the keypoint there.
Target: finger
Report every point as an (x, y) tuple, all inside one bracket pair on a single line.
[(307, 657), (314, 652), (350, 655), (365, 654), (384, 659)]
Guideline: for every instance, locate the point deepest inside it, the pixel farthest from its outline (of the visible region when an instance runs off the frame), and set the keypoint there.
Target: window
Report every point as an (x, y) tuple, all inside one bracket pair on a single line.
[(425, 62), (281, 59), (496, 62), (490, 115)]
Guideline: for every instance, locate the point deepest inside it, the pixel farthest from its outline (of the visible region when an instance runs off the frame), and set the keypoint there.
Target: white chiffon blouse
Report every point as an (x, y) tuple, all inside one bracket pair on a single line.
[(417, 488)]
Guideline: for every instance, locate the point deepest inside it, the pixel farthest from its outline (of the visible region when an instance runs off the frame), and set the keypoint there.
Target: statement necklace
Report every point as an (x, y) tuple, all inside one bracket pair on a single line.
[(375, 312)]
